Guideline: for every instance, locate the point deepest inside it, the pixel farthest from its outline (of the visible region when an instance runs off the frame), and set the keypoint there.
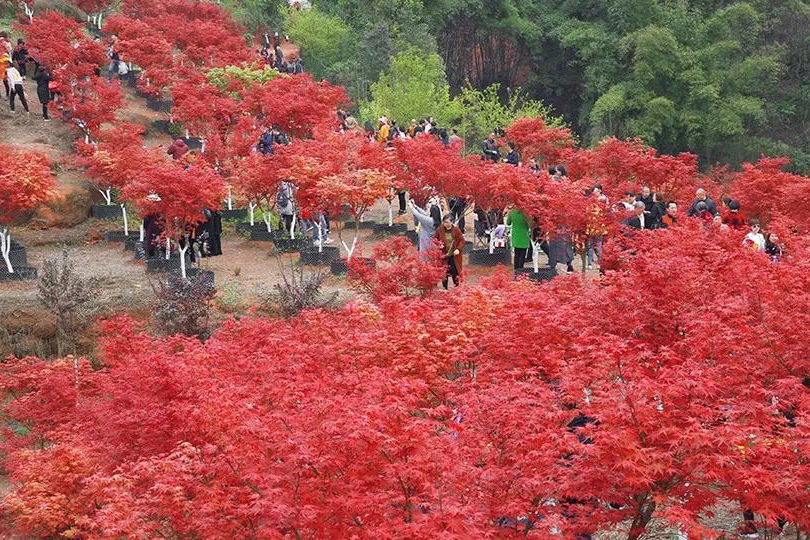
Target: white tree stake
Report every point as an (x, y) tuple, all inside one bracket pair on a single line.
[(230, 199), (390, 214), (535, 255), (491, 241), (202, 145), (292, 227), (5, 248), (126, 221), (266, 218), (168, 248), (142, 232)]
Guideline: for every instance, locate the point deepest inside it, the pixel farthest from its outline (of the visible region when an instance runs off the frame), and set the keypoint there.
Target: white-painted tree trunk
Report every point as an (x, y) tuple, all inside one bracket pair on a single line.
[(29, 12), (183, 257), (349, 250), (320, 236), (230, 199), (143, 232), (266, 218), (535, 256), (292, 227), (168, 248), (100, 20), (202, 146), (106, 193), (492, 241), (5, 248), (126, 221), (188, 135), (390, 214), (251, 214)]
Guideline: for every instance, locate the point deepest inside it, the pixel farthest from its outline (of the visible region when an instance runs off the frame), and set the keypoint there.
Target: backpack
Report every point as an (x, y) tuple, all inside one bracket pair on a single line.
[(282, 198)]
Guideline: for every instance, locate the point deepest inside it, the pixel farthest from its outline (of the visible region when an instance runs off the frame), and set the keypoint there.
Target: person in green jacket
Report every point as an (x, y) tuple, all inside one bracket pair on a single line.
[(520, 236)]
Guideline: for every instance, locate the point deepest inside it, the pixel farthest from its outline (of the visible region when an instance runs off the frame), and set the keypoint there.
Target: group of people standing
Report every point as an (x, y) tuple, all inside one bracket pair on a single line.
[(14, 69), (274, 56)]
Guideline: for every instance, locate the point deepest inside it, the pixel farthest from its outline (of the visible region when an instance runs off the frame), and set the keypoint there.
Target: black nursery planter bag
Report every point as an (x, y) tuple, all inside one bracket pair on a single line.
[(482, 257), (105, 211)]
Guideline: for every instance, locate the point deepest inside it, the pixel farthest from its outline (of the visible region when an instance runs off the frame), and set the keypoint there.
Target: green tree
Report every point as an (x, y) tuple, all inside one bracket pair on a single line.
[(483, 111), (325, 41), (414, 87)]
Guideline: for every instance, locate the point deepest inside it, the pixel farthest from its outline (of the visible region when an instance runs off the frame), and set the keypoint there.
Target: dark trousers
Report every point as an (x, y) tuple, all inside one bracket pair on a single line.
[(457, 214), (45, 110), (18, 91), (401, 196), (22, 67), (287, 222), (520, 257), (452, 272), (5, 84)]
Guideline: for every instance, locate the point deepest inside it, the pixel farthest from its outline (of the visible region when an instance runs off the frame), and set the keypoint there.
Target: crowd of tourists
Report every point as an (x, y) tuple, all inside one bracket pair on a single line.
[(14, 64)]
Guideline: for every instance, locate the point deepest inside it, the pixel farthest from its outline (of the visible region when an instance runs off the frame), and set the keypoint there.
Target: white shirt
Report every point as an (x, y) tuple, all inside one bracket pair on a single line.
[(757, 239), (641, 219), (14, 77)]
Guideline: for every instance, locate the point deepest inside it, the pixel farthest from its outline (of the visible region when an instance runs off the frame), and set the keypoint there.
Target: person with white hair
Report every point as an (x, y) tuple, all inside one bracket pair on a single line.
[(701, 196), (639, 220)]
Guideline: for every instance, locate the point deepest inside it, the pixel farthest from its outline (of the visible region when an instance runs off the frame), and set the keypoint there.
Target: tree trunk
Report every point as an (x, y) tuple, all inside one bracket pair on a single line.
[(183, 258), (292, 227), (390, 214), (5, 248), (105, 192), (168, 248), (143, 233), (126, 221), (350, 250), (251, 208), (266, 218), (535, 256), (230, 199), (644, 512), (491, 240)]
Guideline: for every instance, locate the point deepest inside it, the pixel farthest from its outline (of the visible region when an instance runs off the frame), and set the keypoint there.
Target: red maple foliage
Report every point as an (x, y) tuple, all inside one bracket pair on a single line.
[(353, 192), (398, 271), (298, 105), (178, 193), (535, 140), (431, 168), (627, 165), (26, 181), (685, 398), (765, 191)]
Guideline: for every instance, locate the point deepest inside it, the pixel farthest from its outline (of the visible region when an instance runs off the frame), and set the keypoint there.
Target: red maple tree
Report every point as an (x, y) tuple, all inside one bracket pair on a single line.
[(536, 140), (26, 181), (178, 193)]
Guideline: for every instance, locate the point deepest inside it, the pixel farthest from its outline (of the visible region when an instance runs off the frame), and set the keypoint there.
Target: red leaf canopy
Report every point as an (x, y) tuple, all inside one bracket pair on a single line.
[(179, 193), (26, 181), (535, 139)]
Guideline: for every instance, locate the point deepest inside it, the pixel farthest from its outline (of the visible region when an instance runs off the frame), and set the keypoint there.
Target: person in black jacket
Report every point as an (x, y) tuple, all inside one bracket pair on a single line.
[(701, 196), (43, 78), (491, 151), (20, 57), (646, 197), (513, 158), (639, 220)]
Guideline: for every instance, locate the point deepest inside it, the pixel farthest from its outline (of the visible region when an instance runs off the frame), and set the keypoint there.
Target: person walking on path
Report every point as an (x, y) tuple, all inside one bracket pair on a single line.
[(520, 236), (43, 78), (428, 222), (452, 241), (5, 61), (15, 82)]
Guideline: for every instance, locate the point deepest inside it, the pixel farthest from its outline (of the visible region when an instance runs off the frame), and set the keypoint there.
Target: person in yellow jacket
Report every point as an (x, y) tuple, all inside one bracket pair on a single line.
[(5, 60), (382, 132)]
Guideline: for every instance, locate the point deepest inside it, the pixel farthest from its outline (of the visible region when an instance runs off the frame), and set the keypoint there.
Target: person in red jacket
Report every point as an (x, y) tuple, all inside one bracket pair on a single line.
[(732, 217), (451, 241), (178, 149)]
